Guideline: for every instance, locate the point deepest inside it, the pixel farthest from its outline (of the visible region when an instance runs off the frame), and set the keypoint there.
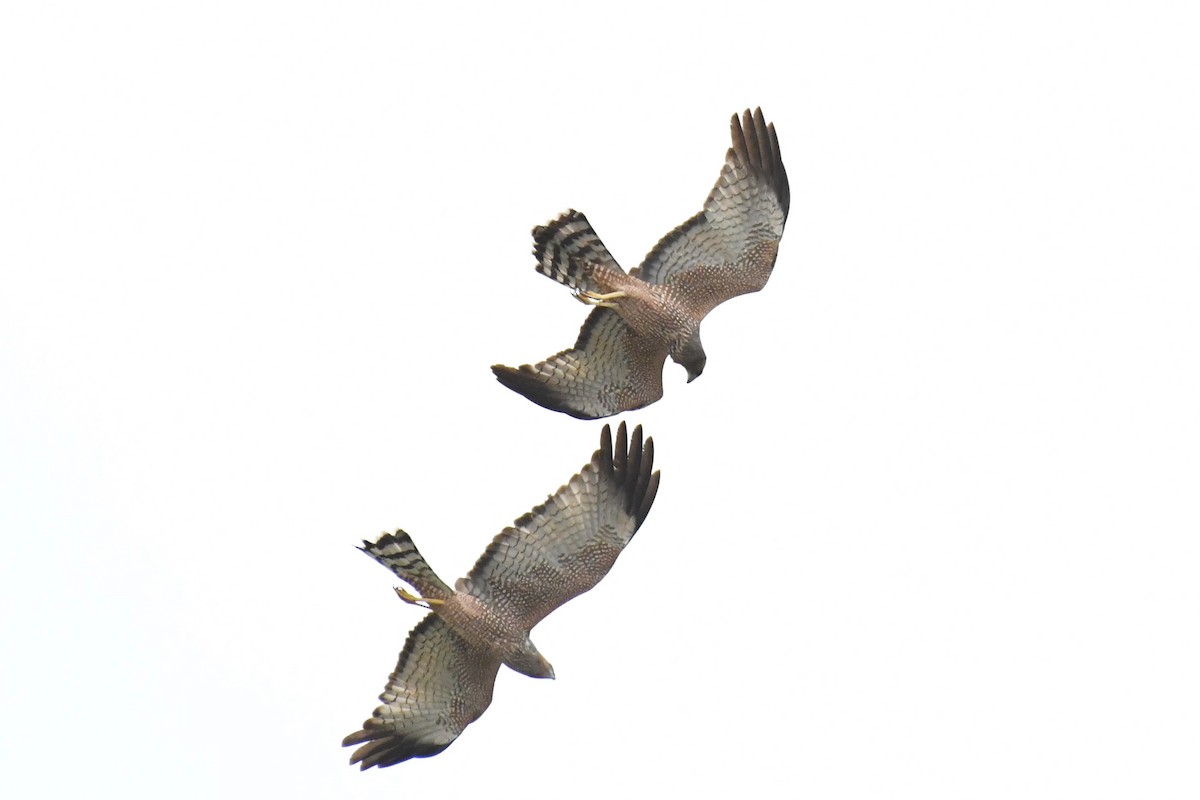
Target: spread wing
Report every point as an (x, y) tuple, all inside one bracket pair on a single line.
[(610, 369), (565, 546), (729, 248), (440, 686)]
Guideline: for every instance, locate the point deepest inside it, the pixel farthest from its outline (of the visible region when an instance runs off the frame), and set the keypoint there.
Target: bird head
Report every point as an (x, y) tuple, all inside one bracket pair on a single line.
[(528, 661), (691, 357)]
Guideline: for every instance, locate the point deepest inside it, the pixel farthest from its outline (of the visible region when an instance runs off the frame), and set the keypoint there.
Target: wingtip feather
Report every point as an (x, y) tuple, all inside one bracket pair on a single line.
[(755, 144), (604, 456), (648, 497)]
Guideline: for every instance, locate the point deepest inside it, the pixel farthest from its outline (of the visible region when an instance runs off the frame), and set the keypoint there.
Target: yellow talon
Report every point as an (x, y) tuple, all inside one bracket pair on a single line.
[(417, 600), (598, 299)]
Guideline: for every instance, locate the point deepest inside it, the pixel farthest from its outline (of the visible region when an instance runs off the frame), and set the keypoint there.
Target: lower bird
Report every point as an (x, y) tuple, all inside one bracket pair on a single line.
[(559, 550), (654, 311)]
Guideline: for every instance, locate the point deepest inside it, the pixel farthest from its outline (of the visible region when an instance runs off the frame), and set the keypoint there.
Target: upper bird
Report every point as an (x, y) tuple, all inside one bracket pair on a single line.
[(655, 310), (556, 552)]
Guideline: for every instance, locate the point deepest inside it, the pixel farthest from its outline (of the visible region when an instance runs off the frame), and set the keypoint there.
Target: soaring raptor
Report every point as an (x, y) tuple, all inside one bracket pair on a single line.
[(556, 552), (655, 311)]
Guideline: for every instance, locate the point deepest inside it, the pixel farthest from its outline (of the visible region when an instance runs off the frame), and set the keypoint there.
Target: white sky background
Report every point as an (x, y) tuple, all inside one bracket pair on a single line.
[(928, 523)]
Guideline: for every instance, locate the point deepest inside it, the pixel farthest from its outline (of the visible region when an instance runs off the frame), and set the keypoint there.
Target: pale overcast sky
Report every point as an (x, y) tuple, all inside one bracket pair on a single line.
[(928, 522)]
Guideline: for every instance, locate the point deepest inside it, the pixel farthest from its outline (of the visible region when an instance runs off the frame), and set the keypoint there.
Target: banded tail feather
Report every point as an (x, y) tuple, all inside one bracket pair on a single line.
[(397, 552), (568, 250)]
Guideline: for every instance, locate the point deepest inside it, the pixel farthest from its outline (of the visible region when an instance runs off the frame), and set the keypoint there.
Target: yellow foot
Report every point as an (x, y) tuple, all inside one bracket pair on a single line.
[(598, 299), (415, 600)]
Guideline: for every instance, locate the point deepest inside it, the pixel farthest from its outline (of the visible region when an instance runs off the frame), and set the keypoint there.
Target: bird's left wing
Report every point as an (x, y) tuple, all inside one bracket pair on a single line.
[(565, 546), (609, 370), (440, 686)]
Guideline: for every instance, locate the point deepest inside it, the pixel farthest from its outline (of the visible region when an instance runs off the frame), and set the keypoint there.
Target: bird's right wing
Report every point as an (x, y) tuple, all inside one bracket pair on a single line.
[(440, 686), (609, 370), (729, 248), (565, 546)]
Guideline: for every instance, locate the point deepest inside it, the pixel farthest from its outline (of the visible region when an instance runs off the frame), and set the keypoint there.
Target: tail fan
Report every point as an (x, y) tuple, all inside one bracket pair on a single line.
[(397, 552), (568, 250)]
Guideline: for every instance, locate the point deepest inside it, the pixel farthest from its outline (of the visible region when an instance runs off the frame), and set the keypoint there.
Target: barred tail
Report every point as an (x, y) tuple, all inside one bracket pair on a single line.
[(568, 250), (397, 552)]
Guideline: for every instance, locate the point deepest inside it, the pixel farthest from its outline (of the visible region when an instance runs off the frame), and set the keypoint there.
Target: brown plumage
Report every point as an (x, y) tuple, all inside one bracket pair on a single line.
[(559, 550), (655, 310)]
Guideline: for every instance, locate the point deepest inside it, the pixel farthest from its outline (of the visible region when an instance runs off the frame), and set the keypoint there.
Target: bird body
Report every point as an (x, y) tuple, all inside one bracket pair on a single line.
[(655, 310), (478, 623), (562, 548)]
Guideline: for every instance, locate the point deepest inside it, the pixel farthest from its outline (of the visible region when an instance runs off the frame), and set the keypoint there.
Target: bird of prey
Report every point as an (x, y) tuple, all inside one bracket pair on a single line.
[(557, 551), (655, 310)]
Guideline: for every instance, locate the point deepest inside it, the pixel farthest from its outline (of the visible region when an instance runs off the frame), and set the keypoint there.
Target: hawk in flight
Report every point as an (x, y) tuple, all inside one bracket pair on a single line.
[(655, 310), (557, 551)]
